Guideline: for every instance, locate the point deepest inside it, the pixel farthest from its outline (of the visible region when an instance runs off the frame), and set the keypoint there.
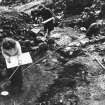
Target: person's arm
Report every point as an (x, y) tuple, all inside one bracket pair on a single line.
[(18, 46), (53, 15), (6, 56)]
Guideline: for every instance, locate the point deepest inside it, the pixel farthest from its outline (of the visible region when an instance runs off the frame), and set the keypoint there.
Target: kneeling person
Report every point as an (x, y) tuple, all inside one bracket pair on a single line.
[(11, 47)]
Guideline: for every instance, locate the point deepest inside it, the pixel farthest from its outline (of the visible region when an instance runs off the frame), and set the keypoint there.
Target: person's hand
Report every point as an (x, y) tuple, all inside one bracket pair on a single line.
[(8, 60), (19, 62)]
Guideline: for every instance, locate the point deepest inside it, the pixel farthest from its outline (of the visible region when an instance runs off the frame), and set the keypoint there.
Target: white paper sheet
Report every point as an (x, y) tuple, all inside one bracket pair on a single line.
[(23, 59)]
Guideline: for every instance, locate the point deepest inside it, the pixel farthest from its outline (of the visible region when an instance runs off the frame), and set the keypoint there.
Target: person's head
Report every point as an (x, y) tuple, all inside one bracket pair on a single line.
[(41, 7), (34, 13), (8, 43)]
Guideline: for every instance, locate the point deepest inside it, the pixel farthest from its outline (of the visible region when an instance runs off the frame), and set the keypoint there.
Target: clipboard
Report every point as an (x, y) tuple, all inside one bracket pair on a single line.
[(24, 58)]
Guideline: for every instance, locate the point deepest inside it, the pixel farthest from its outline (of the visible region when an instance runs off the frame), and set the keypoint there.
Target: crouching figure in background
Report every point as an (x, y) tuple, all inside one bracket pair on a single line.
[(94, 29)]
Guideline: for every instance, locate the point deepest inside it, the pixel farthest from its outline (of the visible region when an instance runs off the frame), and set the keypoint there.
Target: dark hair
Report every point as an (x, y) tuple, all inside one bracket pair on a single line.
[(35, 13), (8, 43), (41, 6)]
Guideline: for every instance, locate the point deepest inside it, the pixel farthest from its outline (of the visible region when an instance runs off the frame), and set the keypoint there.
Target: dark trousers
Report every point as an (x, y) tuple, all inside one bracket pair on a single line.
[(17, 79), (48, 27)]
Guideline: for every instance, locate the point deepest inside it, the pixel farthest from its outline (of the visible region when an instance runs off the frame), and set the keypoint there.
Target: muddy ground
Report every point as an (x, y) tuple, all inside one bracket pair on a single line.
[(50, 82), (65, 72)]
